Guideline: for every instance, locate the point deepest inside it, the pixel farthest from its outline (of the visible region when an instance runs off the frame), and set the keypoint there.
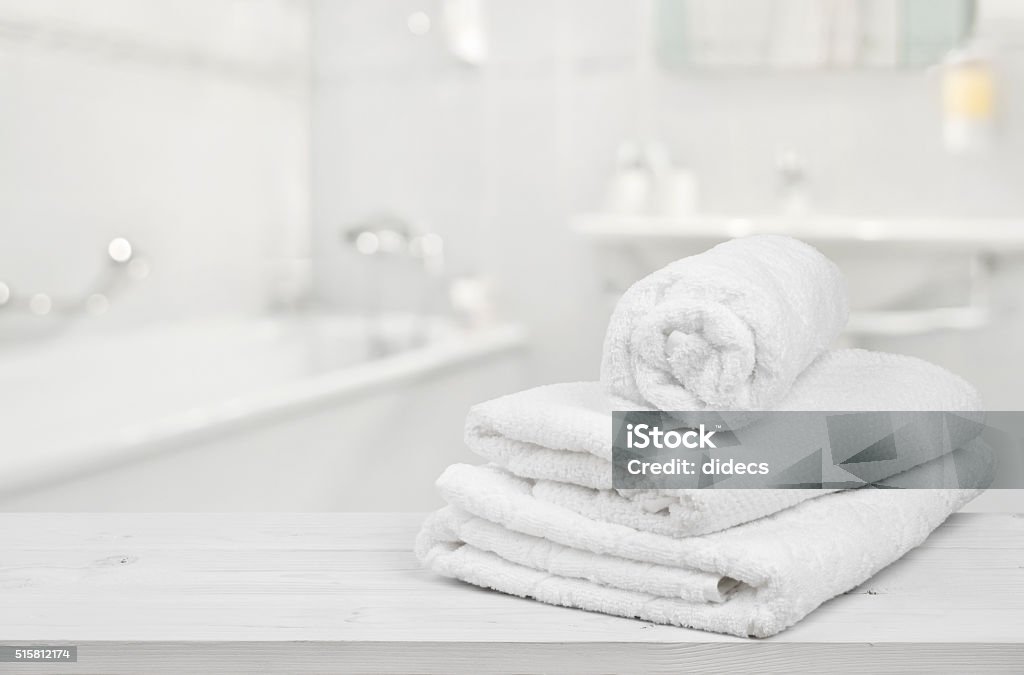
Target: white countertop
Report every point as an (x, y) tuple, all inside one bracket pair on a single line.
[(315, 592)]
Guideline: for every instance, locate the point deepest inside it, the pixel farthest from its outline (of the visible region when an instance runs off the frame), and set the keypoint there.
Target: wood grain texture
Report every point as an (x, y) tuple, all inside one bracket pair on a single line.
[(316, 592)]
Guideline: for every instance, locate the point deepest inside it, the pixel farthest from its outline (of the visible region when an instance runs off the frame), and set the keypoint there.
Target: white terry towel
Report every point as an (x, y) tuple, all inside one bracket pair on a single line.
[(560, 435), (730, 328), (752, 580)]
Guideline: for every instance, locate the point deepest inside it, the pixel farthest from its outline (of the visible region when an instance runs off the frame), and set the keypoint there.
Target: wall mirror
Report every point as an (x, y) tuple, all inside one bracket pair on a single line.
[(809, 34)]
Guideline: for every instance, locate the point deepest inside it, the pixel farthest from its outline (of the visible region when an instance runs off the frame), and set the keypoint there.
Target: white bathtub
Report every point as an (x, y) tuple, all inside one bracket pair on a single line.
[(292, 413)]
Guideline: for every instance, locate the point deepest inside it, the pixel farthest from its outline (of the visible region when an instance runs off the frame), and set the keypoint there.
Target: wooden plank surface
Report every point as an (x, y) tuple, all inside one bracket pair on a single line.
[(309, 592)]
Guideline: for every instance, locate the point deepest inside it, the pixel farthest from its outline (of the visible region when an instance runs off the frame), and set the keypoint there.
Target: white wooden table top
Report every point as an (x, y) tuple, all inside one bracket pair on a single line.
[(295, 592)]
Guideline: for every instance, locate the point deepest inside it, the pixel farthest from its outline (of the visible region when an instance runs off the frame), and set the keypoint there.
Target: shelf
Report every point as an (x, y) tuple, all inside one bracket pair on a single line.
[(968, 235)]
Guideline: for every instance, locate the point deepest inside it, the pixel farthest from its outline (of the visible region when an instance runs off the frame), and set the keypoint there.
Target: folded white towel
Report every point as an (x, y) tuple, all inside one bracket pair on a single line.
[(730, 328), (561, 435), (752, 580)]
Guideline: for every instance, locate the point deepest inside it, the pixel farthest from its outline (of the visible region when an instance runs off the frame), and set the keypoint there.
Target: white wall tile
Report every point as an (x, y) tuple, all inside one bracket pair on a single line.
[(540, 122), (205, 169)]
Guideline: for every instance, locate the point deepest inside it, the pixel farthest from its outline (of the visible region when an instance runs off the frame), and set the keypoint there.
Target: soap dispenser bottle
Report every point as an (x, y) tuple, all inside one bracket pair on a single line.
[(632, 183)]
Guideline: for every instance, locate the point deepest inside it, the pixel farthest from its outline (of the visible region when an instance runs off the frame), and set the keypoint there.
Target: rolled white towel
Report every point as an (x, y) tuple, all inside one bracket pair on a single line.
[(730, 328)]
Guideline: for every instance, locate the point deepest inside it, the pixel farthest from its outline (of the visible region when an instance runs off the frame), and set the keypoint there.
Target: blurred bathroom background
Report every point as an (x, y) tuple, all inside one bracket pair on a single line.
[(264, 254)]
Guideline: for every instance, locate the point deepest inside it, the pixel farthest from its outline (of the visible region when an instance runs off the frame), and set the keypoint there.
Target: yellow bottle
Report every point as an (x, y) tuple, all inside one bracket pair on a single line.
[(968, 96)]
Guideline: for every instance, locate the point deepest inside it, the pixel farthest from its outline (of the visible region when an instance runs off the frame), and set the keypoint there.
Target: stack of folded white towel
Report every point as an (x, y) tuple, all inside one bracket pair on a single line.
[(745, 326)]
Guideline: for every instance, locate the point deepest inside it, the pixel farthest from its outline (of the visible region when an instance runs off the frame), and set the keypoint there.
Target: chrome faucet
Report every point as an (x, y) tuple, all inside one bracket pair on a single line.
[(792, 173), (123, 262), (388, 235)]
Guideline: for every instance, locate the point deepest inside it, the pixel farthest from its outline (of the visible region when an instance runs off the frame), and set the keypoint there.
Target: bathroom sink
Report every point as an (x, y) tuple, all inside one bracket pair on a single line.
[(906, 276)]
